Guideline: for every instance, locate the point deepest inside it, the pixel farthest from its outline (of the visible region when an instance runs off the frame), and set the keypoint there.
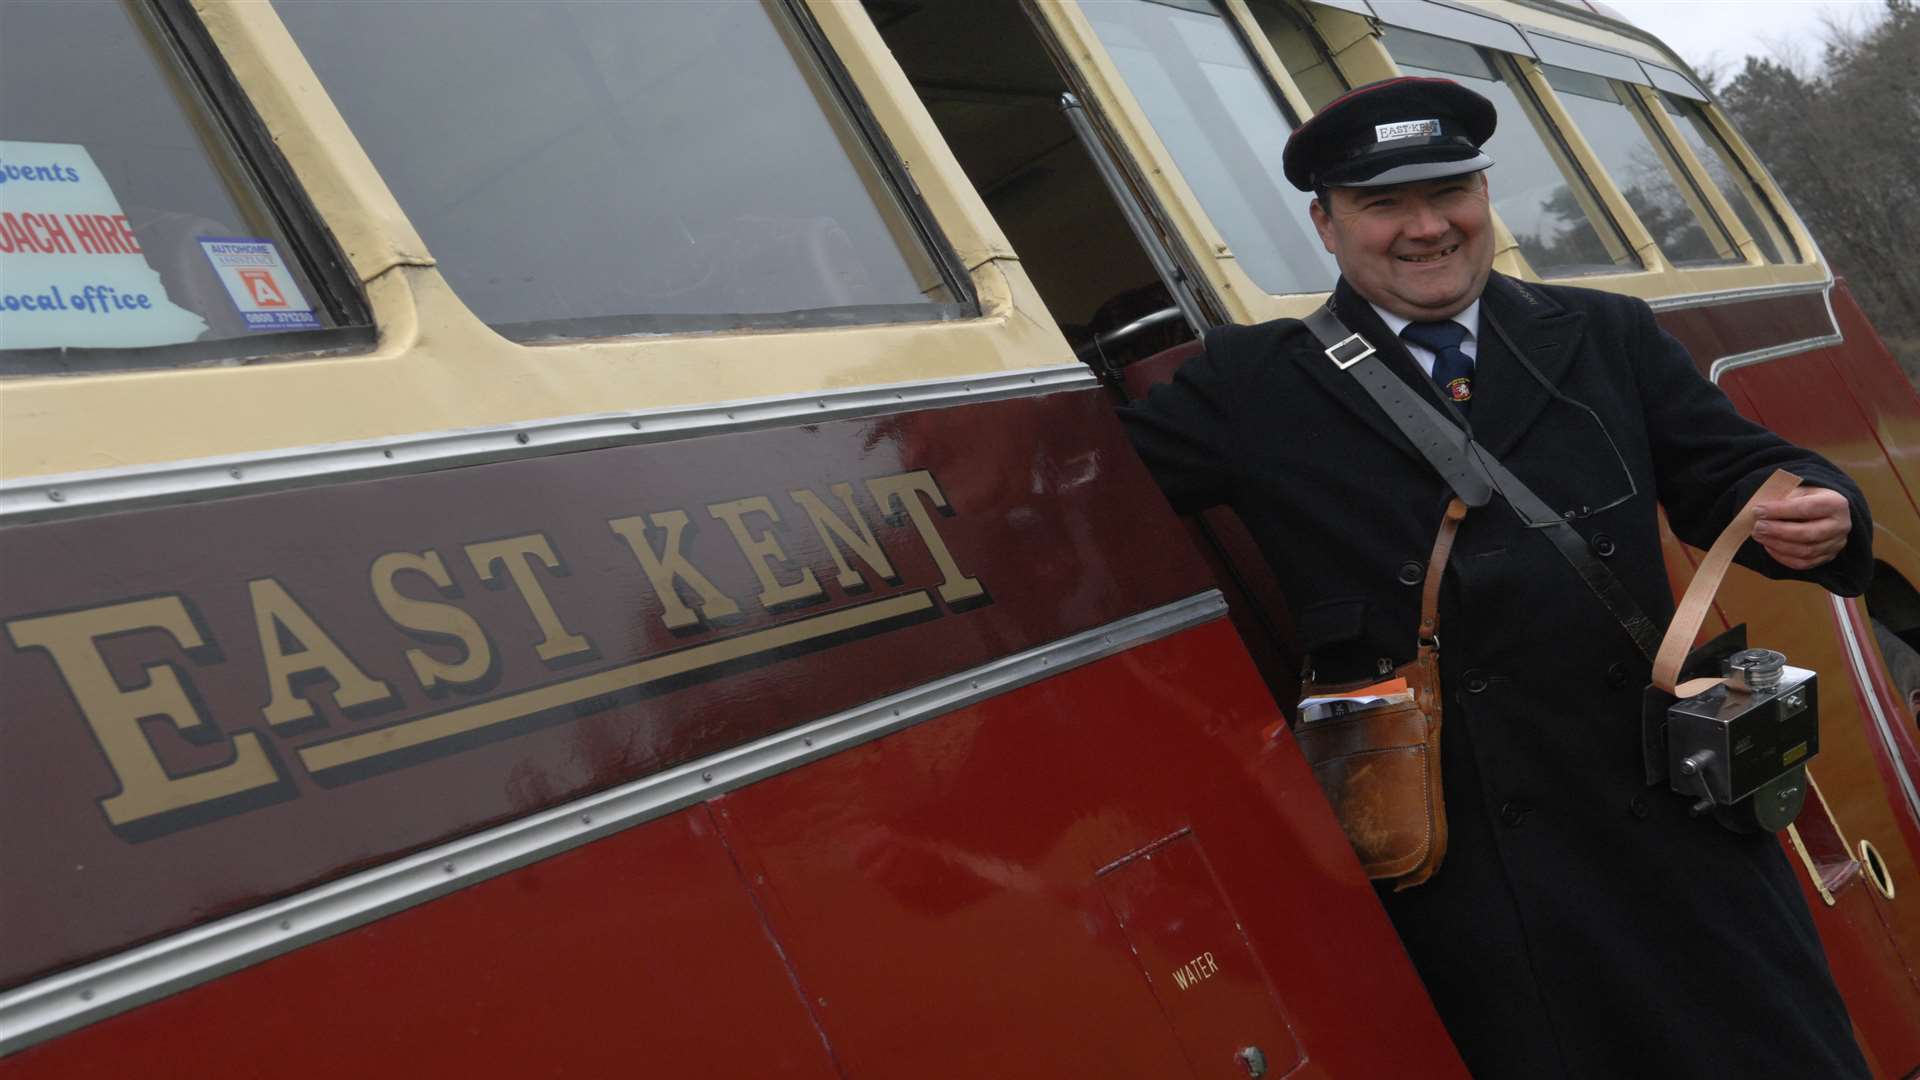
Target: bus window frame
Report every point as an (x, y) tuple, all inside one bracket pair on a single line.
[(216, 105), (1353, 42), (436, 376)]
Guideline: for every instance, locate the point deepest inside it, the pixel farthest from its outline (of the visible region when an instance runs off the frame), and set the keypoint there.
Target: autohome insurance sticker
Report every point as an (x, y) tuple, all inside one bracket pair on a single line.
[(71, 269), (257, 280)]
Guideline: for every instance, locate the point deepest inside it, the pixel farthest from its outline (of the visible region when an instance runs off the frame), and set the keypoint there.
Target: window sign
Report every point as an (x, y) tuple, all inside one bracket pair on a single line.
[(72, 271)]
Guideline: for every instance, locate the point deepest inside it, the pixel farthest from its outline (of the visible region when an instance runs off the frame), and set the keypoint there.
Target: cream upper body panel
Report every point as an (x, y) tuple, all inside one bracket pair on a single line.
[(437, 367)]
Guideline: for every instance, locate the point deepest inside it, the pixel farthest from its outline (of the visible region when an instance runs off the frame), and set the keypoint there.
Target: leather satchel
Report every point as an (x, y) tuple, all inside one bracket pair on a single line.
[(1380, 767)]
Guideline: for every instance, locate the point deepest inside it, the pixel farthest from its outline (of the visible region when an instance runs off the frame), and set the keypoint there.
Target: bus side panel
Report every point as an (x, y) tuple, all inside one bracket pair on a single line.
[(639, 953), (1882, 390), (978, 852), (945, 898), (1713, 331), (235, 700)]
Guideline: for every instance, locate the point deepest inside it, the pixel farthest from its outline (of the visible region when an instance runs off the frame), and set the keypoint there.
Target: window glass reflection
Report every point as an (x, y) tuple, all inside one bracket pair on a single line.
[(1300, 51), (1749, 205), (1552, 211), (582, 168), (1209, 104), (1669, 206)]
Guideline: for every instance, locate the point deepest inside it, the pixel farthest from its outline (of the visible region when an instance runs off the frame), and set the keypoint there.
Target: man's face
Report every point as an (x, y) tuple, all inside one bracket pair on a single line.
[(1420, 250)]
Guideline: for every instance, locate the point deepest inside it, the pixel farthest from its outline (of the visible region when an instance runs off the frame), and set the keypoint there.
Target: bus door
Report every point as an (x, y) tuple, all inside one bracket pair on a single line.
[(1052, 140)]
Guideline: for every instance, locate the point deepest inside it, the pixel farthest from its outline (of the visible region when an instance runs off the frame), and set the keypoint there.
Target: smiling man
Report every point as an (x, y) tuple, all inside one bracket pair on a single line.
[(1581, 924)]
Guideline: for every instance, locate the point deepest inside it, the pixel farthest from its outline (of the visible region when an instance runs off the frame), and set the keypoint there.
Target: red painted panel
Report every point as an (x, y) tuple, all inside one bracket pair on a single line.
[(640, 954), (962, 854), (1034, 494)]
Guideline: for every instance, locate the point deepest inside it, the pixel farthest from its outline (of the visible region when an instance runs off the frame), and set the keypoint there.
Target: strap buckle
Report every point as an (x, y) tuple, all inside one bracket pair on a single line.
[(1344, 357)]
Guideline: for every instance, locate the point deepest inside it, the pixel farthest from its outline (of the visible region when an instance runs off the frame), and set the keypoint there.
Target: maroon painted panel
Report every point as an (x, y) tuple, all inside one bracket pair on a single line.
[(935, 894), (1197, 960), (215, 645), (965, 854), (1718, 330), (640, 954), (1884, 392)]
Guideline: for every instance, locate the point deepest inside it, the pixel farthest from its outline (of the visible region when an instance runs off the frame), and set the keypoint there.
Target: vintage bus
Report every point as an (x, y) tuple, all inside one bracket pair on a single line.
[(586, 538)]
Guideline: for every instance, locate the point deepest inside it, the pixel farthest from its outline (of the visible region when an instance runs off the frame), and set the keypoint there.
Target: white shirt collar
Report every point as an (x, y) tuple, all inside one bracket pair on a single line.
[(1469, 318)]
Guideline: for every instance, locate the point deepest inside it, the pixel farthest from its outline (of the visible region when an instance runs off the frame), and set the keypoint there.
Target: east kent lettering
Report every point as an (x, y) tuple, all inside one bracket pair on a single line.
[(443, 694)]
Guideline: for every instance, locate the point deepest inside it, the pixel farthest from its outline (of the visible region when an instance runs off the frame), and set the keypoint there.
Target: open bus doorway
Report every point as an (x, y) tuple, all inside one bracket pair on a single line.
[(1106, 272), (997, 97)]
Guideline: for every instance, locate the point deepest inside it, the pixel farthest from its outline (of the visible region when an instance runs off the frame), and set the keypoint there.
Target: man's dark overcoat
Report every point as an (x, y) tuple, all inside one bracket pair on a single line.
[(1582, 924)]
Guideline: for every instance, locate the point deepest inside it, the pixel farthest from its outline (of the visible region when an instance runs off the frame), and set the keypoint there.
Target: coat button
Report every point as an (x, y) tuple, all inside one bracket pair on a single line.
[(1476, 681), (1412, 572), (1515, 812), (1617, 675), (1637, 806), (1603, 545)]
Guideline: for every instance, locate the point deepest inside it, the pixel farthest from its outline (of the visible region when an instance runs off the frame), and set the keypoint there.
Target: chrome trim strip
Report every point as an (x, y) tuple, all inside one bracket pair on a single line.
[(1856, 655), (1735, 296), (39, 498), (1773, 352), (60, 1003)]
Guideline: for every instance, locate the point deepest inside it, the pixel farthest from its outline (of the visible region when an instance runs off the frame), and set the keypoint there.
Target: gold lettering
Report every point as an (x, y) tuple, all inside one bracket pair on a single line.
[(762, 549), (517, 553), (433, 618), (278, 616), (906, 489), (114, 713), (857, 536), (670, 563)]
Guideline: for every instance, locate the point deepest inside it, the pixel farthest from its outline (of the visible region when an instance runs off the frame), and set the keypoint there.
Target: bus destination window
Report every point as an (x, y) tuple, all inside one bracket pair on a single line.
[(1554, 215), (131, 232), (1671, 208), (584, 169)]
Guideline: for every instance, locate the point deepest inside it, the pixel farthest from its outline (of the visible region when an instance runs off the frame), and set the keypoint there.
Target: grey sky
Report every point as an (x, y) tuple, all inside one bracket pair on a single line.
[(1722, 33)]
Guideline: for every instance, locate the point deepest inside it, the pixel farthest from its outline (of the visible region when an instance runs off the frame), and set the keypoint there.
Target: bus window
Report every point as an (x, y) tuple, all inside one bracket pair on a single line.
[(587, 169), (1671, 208), (1749, 205), (1210, 105), (132, 234), (1553, 213), (995, 94), (1301, 50)]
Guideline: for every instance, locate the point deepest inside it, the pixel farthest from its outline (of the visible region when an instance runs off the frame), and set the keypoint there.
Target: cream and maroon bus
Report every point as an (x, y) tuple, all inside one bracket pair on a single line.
[(588, 537)]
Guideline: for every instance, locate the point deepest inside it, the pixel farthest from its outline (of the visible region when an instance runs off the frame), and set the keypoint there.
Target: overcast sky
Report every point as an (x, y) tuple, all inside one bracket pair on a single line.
[(1722, 33)]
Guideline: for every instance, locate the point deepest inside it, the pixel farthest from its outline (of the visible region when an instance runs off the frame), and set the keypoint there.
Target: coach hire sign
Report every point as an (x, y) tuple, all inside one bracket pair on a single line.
[(205, 705)]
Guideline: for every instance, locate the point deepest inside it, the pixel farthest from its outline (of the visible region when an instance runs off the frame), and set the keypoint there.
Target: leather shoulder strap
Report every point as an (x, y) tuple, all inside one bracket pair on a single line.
[(1472, 472)]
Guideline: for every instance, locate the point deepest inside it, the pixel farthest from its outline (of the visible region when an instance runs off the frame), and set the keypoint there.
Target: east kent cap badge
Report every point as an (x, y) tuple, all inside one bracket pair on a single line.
[(1395, 131)]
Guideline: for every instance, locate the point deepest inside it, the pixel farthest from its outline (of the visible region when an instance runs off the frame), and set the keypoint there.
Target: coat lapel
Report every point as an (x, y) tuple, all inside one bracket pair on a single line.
[(1507, 399), (1361, 318)]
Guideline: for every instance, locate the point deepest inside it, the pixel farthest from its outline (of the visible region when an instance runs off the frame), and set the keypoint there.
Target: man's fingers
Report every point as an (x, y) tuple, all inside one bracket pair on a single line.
[(1805, 504), (1803, 532)]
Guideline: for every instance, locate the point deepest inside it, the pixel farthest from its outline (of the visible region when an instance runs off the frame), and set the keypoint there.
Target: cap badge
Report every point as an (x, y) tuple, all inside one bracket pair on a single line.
[(1405, 129)]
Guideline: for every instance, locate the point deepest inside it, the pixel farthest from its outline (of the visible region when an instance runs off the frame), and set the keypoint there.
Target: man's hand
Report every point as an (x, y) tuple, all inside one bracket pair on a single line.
[(1804, 530)]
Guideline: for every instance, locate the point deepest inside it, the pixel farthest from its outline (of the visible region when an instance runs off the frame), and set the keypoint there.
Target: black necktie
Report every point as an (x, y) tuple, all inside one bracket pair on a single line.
[(1452, 367)]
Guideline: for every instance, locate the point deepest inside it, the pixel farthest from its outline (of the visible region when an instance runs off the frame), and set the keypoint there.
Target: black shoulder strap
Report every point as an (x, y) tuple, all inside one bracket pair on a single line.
[(1472, 472)]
